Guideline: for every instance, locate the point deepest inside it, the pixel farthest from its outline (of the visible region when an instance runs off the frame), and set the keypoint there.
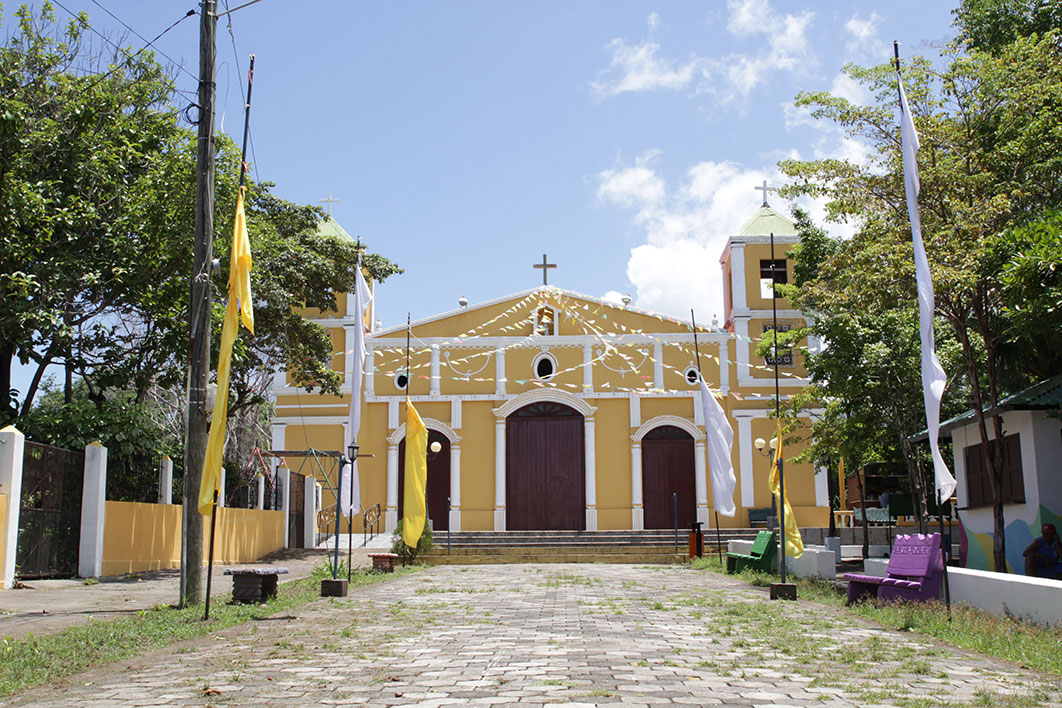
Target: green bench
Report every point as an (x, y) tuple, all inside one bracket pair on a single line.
[(759, 557)]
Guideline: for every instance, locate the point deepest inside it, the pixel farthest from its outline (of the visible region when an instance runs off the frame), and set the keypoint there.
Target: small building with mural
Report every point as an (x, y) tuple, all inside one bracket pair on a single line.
[(558, 410)]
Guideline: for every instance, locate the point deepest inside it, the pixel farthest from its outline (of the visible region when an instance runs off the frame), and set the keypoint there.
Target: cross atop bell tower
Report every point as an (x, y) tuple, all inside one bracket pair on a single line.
[(545, 265)]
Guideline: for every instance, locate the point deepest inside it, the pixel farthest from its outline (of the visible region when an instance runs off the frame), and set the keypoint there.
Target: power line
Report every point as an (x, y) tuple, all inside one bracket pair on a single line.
[(142, 49)]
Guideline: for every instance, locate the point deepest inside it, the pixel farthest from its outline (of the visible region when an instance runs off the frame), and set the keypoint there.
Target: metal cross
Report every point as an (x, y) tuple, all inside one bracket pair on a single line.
[(330, 201), (765, 189), (544, 265)]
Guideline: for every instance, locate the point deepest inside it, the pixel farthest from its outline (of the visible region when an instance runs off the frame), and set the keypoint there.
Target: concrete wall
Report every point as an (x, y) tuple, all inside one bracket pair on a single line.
[(813, 563), (1001, 594), (139, 537)]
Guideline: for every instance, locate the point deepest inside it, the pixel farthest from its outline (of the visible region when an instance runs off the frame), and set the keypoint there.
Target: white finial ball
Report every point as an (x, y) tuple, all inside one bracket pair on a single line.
[(379, 323), (436, 446), (626, 299), (462, 301)]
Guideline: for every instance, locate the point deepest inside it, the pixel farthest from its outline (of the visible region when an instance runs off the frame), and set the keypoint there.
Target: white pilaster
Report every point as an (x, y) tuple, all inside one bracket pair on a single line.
[(455, 414), (221, 488), (724, 366), (392, 413), (743, 347), (499, 374), (700, 480), (737, 275), (278, 436), (391, 512), (260, 492), (745, 461), (698, 410), (588, 369), (636, 410), (309, 513), (822, 487), (658, 365), (93, 506), (455, 487), (348, 359), (499, 473), (591, 473), (284, 484), (637, 510), (434, 370), (166, 480), (12, 445), (369, 386)]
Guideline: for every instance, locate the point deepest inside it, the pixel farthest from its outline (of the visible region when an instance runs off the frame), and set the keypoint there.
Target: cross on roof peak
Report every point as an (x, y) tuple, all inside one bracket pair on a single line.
[(765, 189), (545, 265), (328, 202)]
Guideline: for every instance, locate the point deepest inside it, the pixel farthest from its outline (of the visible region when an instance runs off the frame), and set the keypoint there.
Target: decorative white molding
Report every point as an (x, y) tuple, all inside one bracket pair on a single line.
[(392, 412), (455, 414), (637, 510), (466, 375), (636, 409), (590, 472), (588, 369), (658, 366), (434, 381), (695, 432), (369, 386), (391, 517), (545, 394), (399, 433), (499, 372), (746, 459), (737, 276), (499, 474), (700, 480)]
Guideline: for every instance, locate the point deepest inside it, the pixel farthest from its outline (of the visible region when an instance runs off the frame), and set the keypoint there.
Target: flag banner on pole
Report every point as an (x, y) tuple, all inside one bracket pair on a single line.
[(933, 378), (238, 308), (351, 503), (720, 443), (415, 511), (794, 544)]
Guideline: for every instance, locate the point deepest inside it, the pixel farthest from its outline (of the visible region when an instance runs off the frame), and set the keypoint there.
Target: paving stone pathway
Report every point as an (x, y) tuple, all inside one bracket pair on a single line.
[(558, 635)]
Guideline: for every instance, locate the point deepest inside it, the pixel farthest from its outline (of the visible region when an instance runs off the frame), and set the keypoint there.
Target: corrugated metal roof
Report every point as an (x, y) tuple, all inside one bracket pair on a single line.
[(767, 221), (331, 227), (1042, 396)]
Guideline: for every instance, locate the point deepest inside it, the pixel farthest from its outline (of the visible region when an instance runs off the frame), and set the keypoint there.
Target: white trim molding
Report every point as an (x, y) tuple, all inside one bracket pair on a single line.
[(695, 432), (399, 433), (545, 394)]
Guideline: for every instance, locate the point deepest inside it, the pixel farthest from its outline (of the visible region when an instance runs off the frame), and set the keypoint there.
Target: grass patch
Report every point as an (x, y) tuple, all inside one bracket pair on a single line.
[(1006, 638), (34, 660)]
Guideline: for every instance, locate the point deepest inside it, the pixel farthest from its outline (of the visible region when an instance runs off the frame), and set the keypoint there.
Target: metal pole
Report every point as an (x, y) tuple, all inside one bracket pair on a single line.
[(350, 521), (196, 420), (339, 496), (210, 562), (674, 501), (944, 554), (448, 511), (718, 537), (778, 411)]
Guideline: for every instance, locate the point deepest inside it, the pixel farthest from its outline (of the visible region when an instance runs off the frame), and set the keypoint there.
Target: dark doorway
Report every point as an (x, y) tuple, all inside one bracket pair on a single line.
[(49, 521), (544, 468), (296, 510), (667, 469), (438, 490)]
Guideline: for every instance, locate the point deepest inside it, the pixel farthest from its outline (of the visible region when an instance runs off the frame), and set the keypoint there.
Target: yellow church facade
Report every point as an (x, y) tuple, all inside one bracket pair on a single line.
[(557, 410)]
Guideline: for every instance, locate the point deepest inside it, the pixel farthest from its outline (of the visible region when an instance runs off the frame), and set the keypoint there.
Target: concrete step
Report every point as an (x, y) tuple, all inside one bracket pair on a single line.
[(581, 538), (531, 556)]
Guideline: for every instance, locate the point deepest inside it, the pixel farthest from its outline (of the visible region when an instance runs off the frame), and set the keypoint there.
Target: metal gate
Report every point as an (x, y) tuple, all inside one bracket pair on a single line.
[(49, 526), (296, 511)]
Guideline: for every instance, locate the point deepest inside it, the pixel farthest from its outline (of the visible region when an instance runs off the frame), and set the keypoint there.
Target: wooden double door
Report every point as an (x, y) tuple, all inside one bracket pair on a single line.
[(545, 468), (438, 488), (668, 478)]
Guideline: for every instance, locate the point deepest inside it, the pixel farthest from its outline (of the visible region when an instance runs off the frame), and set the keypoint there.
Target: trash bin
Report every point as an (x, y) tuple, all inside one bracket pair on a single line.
[(696, 540)]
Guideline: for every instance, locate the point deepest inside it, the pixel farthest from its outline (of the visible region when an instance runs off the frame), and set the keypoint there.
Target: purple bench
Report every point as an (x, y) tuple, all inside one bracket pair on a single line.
[(915, 571)]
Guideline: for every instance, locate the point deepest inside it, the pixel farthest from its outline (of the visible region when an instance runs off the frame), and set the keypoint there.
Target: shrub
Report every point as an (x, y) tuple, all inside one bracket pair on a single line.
[(407, 554)]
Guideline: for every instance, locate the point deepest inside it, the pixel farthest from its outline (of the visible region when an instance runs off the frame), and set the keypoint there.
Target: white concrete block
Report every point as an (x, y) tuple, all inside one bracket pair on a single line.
[(12, 445), (93, 506), (166, 480), (816, 562)]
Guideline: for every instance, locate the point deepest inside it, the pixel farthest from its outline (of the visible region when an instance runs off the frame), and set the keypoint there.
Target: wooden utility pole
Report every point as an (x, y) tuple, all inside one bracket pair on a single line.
[(197, 418)]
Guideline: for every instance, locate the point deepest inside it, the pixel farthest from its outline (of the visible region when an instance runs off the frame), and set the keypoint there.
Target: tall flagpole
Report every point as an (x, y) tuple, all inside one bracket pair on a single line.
[(243, 180), (697, 350), (920, 249), (778, 460)]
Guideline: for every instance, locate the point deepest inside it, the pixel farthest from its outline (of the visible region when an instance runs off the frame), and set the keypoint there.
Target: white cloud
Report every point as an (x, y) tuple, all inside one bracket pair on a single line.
[(784, 47), (863, 40), (638, 68), (613, 296)]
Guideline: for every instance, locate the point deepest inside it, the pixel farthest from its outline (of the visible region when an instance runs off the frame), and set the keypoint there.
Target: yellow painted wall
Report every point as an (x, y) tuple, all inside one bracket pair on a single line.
[(614, 496), (139, 537), (477, 465), (3, 532)]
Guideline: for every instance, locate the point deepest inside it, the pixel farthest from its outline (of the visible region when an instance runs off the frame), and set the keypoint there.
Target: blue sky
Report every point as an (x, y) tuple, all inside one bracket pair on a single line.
[(465, 139)]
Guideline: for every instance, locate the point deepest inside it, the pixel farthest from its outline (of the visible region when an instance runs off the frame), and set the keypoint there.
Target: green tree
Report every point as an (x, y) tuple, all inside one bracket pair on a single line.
[(990, 161), (991, 25)]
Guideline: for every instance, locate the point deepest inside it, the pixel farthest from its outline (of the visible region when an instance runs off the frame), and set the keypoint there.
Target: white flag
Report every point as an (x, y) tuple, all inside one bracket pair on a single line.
[(720, 443), (350, 484), (933, 378)]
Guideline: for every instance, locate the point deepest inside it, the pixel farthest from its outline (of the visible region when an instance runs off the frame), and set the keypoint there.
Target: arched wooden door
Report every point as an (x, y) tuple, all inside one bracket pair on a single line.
[(438, 480), (545, 468), (667, 469)]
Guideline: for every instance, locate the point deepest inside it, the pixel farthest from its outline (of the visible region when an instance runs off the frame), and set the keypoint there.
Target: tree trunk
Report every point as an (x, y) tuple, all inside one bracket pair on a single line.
[(863, 508), (9, 410)]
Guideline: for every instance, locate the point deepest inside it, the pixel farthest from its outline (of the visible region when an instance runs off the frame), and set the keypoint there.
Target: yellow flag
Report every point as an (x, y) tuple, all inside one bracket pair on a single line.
[(239, 305), (415, 499), (794, 545)]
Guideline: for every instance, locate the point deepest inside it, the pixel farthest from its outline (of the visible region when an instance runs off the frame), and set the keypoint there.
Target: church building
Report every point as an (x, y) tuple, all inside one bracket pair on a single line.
[(558, 410)]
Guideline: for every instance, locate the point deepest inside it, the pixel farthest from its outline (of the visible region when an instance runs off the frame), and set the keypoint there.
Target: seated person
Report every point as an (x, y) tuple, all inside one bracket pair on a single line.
[(1043, 557)]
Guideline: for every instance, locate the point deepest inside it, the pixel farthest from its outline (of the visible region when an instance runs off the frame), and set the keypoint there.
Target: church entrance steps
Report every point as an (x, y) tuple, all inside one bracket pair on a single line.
[(654, 546)]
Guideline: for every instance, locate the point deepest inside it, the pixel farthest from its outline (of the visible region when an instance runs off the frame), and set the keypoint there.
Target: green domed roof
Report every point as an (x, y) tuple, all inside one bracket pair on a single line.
[(767, 221)]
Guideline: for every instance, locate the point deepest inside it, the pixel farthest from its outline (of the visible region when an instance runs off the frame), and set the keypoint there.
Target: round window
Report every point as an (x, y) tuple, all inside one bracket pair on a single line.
[(544, 366), (692, 375), (401, 380)]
